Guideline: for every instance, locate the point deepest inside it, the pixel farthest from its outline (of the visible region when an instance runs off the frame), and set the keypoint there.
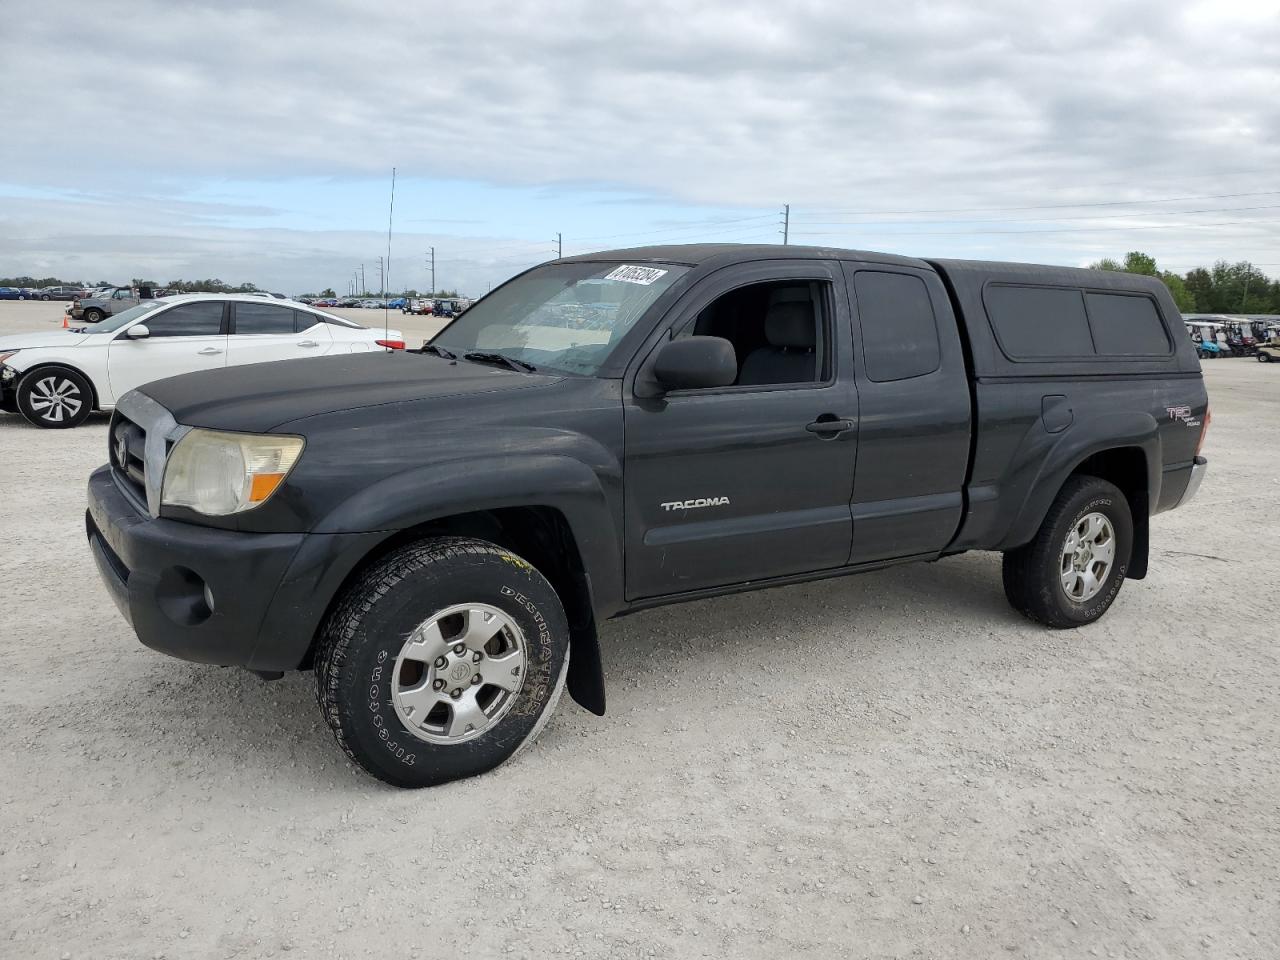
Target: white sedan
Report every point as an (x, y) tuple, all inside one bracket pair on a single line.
[(56, 379)]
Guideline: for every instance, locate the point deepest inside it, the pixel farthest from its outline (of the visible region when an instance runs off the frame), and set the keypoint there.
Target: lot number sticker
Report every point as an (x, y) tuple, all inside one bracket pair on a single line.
[(641, 275)]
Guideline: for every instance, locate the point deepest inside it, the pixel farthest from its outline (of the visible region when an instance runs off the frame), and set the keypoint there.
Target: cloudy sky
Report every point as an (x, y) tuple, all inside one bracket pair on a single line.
[(255, 142)]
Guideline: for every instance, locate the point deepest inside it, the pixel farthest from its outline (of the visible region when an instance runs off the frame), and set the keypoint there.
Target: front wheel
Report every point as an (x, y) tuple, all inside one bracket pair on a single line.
[(442, 661), (45, 297), (93, 315), (1263, 358), (1070, 573), (55, 397)]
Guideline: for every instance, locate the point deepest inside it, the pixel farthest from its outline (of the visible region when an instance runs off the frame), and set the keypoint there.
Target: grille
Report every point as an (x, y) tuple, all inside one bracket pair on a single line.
[(128, 460)]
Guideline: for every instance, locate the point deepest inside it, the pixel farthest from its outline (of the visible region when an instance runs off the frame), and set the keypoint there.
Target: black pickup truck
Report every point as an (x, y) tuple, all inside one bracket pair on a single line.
[(439, 533)]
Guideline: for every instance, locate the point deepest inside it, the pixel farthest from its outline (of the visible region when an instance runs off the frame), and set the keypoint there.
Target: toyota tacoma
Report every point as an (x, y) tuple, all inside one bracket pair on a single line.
[(439, 533)]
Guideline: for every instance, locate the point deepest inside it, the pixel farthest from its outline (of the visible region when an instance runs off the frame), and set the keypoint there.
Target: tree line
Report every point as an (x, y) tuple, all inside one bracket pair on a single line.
[(1223, 288)]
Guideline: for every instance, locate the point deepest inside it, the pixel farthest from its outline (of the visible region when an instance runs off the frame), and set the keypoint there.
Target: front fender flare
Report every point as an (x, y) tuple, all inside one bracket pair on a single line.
[(415, 497)]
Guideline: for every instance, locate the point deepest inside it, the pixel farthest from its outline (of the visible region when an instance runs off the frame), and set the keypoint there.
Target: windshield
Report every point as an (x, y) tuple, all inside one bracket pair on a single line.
[(117, 320), (565, 317)]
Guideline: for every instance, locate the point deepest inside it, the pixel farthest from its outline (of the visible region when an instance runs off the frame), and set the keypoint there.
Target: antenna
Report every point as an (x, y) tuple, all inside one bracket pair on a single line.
[(386, 273)]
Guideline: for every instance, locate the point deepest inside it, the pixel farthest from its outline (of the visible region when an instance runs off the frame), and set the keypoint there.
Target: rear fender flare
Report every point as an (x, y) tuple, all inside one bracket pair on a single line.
[(1085, 439)]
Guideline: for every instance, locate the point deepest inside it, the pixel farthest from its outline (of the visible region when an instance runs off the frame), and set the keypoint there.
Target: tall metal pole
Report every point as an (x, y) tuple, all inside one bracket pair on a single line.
[(364, 287), (433, 271), (786, 223), (386, 273), (559, 245)]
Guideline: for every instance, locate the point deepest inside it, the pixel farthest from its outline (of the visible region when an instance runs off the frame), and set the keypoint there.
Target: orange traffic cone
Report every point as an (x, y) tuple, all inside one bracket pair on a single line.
[(65, 325)]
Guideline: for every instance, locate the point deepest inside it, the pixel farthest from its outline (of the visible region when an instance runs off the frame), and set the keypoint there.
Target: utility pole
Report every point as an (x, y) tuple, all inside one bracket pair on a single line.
[(559, 245), (433, 271), (786, 223), (382, 277), (364, 287)]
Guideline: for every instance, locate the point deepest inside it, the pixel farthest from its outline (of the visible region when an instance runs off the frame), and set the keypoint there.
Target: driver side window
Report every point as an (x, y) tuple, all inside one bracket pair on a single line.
[(778, 329)]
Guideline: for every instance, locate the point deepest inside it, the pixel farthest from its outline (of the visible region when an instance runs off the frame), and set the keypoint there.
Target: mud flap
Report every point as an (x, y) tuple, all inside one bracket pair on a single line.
[(586, 672)]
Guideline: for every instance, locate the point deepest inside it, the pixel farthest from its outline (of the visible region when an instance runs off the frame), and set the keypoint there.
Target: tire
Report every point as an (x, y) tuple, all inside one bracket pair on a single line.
[(1036, 575), (46, 297), (55, 398), (1263, 358), (93, 315), (22, 296), (377, 670)]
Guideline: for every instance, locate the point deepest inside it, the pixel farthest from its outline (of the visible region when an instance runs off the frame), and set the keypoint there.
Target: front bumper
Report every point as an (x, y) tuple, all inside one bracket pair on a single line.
[(216, 596), (8, 389)]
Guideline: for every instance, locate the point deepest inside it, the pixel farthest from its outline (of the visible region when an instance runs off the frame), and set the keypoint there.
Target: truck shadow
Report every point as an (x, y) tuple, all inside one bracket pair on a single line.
[(274, 730)]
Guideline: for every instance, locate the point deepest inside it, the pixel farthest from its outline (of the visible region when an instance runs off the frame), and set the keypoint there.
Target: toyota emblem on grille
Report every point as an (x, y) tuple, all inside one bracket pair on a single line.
[(122, 450)]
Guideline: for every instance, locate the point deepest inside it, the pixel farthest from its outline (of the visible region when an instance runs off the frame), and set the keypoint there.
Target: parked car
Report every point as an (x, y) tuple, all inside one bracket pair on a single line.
[(440, 533), (56, 378), (99, 306), (1269, 350), (60, 293), (11, 293)]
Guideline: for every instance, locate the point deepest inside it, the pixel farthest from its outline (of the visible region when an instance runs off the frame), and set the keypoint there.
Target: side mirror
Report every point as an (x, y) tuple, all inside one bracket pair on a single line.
[(139, 331), (696, 362)]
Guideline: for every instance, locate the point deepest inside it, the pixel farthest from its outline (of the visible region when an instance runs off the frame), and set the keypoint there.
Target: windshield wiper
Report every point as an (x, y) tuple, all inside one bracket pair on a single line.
[(501, 358), (437, 350)]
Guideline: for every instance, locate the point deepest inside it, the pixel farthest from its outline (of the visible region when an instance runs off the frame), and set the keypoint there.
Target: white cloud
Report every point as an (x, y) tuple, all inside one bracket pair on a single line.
[(827, 105)]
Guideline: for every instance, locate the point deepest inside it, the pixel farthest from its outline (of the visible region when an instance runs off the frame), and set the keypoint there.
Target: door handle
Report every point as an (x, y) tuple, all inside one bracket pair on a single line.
[(308, 343), (208, 351), (829, 426)]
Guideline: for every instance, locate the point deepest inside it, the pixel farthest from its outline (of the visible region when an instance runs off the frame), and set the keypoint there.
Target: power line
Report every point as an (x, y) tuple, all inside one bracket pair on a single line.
[(1046, 206), (970, 233), (688, 225), (1095, 216)]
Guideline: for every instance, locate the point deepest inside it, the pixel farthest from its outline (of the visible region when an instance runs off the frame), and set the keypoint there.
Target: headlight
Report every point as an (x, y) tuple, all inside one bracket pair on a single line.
[(217, 473), (6, 356)]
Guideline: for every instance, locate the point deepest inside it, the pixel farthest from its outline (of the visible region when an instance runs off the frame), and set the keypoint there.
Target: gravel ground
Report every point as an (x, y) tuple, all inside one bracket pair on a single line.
[(892, 765)]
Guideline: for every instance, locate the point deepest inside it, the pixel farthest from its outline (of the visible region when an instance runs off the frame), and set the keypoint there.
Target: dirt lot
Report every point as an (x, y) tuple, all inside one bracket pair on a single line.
[(893, 765)]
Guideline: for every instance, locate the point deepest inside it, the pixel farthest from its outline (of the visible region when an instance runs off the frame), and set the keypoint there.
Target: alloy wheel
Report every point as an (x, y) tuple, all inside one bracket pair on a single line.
[(1087, 556), (458, 673), (55, 399)]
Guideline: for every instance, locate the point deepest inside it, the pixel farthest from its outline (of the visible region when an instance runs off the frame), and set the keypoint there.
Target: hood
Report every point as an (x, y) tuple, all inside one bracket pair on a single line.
[(256, 398), (44, 338)]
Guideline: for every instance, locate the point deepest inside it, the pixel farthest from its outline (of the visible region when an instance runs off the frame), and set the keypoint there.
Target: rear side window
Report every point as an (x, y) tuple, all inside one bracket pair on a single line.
[(203, 319), (261, 318), (899, 330), (304, 321), (1039, 323), (1126, 326)]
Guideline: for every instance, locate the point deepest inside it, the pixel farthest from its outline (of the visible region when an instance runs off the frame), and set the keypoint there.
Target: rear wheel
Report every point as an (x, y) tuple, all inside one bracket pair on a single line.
[(55, 397), (1070, 573), (1263, 358), (442, 661)]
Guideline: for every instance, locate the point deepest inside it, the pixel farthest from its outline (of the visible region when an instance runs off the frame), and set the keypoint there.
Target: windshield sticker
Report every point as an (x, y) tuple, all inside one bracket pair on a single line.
[(641, 275)]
